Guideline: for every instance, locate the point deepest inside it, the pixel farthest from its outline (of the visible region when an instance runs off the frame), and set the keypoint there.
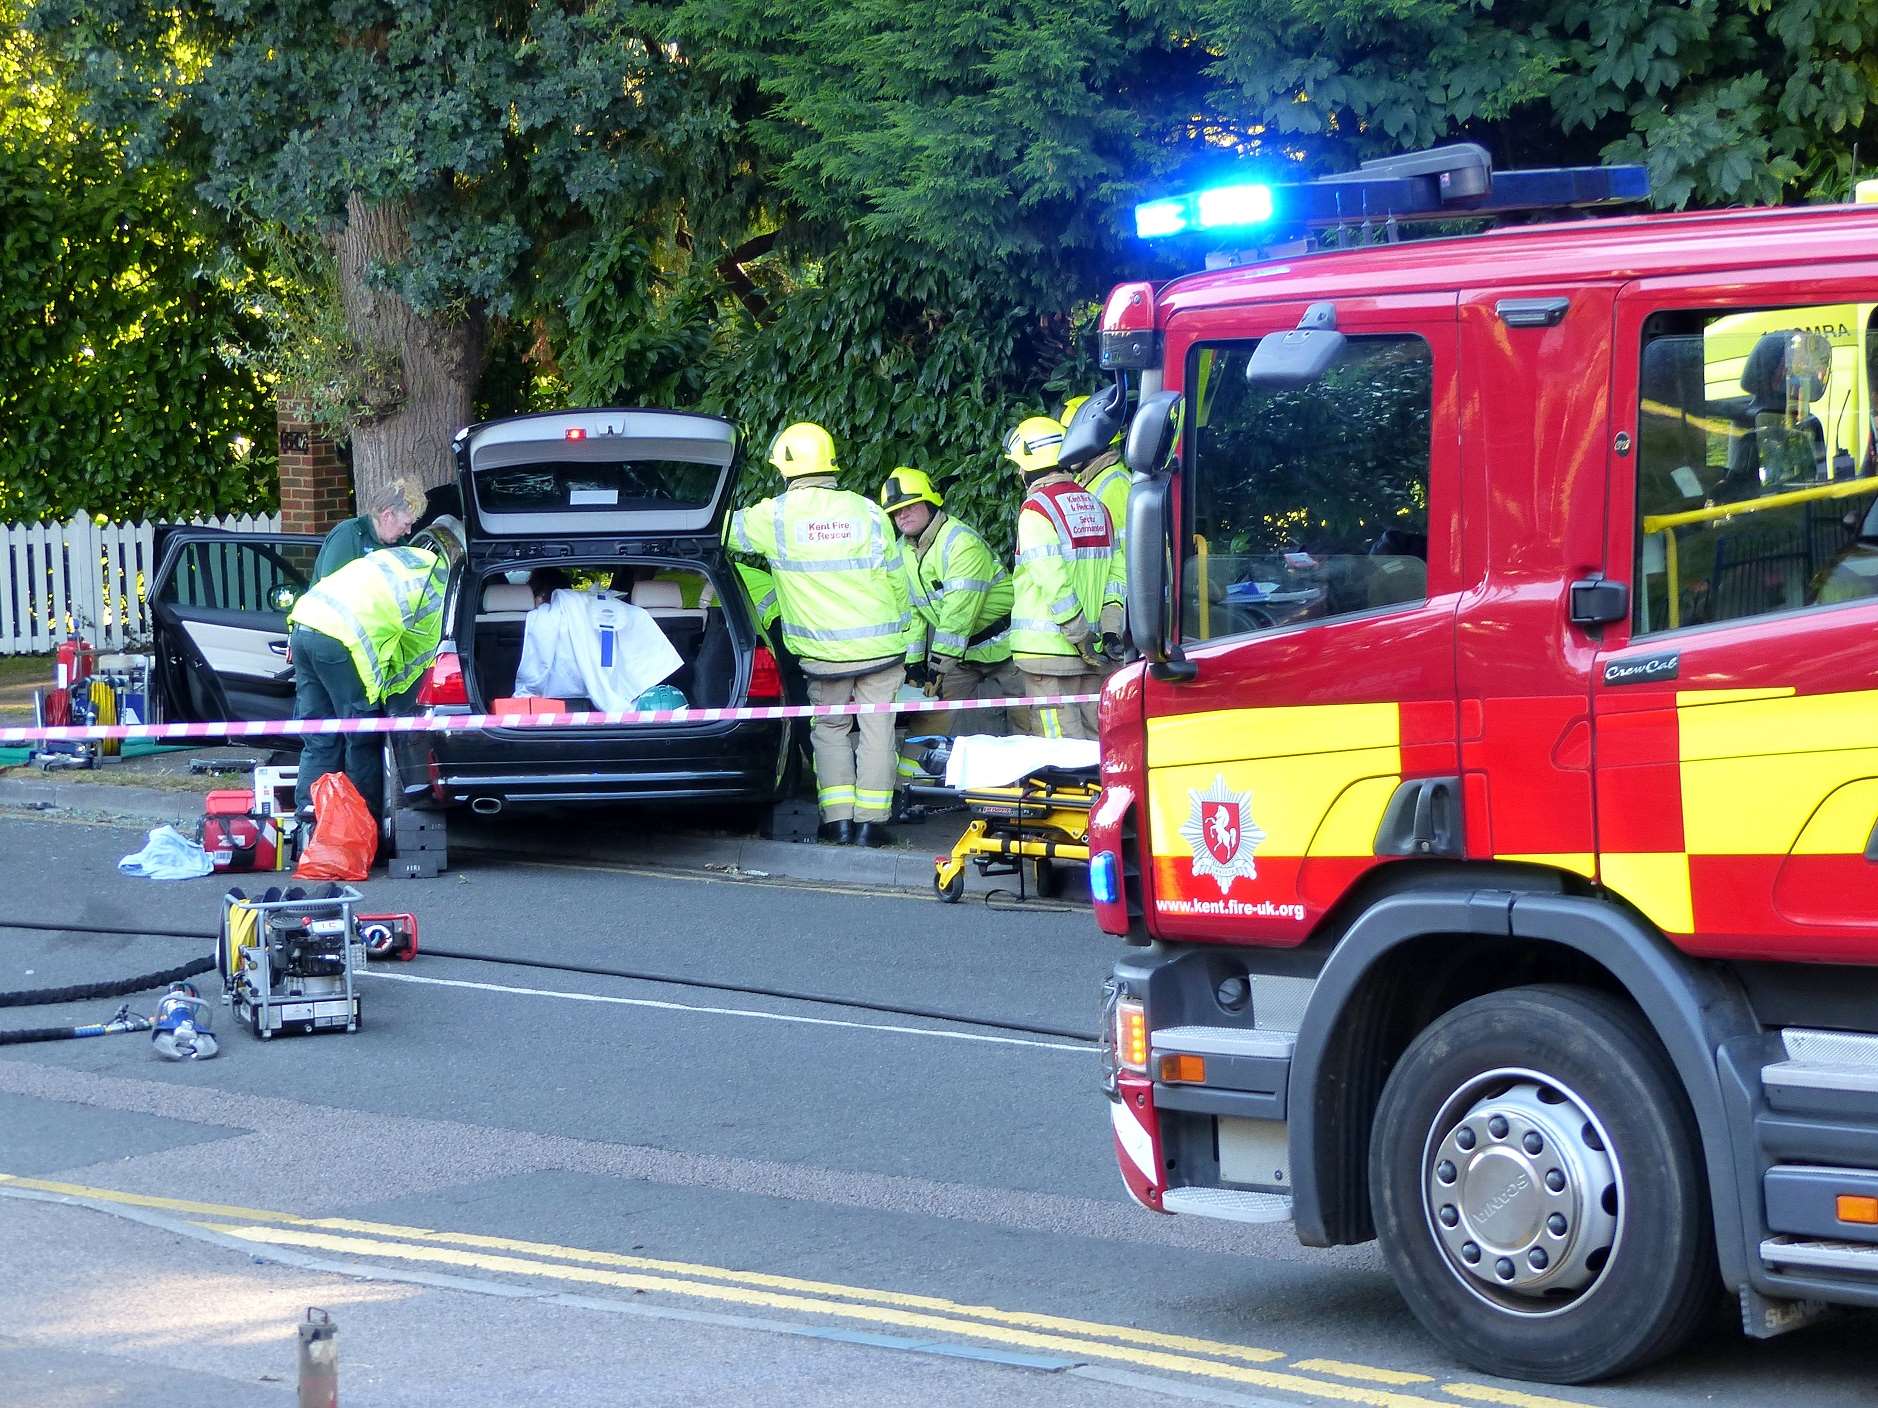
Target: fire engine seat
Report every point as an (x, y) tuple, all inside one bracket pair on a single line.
[(1768, 450)]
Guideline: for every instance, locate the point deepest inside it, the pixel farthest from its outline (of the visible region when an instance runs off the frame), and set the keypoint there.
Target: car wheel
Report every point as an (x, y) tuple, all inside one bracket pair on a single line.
[(1537, 1190)]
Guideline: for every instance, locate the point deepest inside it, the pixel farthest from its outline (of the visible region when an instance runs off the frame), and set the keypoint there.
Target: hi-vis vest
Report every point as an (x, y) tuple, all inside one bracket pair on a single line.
[(386, 609), (1110, 484), (1066, 566), (840, 582), (961, 596)]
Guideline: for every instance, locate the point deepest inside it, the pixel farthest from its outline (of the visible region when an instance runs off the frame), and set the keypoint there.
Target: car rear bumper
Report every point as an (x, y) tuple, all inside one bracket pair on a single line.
[(743, 762)]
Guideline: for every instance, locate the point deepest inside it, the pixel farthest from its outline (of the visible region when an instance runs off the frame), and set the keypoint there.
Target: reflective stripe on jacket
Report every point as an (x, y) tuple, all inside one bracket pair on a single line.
[(1110, 483), (961, 596), (840, 582), (386, 609), (1067, 568)]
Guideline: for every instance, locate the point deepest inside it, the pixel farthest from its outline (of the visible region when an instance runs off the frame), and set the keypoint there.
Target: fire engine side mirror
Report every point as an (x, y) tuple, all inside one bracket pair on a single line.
[(1151, 436), (1284, 361), (1148, 612)]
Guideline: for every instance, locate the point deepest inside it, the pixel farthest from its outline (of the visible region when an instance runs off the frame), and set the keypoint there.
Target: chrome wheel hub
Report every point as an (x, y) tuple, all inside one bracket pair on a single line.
[(1522, 1191)]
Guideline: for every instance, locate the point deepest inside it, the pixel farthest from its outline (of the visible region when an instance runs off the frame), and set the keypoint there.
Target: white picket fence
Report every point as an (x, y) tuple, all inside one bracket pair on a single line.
[(85, 576)]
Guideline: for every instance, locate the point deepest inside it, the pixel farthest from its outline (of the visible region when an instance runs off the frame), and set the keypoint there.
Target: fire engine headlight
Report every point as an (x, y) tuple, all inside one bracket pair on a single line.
[(1105, 878), (1131, 1036)]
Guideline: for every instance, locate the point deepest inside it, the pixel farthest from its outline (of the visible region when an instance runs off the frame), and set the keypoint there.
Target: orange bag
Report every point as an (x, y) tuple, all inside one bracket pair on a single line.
[(345, 840)]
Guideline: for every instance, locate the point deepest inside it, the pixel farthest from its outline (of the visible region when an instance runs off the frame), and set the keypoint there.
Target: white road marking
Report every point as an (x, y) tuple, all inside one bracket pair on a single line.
[(1088, 1050)]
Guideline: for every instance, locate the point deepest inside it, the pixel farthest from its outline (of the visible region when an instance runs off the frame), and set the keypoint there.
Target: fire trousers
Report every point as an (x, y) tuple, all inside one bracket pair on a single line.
[(1059, 720), (970, 680), (854, 755)]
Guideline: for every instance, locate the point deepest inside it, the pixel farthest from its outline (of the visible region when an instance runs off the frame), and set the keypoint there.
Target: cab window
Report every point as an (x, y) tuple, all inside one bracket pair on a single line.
[(1306, 503), (1754, 464)]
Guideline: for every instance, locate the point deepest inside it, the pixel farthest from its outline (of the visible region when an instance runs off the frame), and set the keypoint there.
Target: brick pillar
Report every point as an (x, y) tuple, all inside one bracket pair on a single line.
[(315, 478)]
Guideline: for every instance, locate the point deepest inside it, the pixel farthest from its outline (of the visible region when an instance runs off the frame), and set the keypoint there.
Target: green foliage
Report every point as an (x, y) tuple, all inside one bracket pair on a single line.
[(112, 392), (904, 364), (891, 216), (304, 341)]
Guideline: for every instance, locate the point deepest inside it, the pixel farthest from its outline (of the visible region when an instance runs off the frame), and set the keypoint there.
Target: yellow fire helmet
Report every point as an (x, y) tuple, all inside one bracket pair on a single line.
[(1068, 413), (906, 487), (1035, 444), (804, 448)]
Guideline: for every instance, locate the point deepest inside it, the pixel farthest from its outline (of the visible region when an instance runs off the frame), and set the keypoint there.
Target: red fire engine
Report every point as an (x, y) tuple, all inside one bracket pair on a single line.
[(1493, 812)]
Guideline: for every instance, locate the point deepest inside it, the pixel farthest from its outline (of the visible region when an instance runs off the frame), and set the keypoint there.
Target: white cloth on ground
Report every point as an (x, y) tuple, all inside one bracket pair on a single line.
[(985, 760), (596, 644), (168, 855)]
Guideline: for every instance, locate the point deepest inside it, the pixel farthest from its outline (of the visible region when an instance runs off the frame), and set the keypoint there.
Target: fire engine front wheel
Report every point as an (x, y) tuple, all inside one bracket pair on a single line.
[(1536, 1186)]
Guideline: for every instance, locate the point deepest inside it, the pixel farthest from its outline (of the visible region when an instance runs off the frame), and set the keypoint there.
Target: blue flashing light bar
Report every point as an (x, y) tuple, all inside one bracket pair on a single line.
[(1222, 207), (1441, 184), (1160, 218), (1105, 878), (1234, 206)]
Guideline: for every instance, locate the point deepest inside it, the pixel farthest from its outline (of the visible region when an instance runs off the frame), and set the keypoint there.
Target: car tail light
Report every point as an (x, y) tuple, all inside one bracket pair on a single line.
[(1130, 341), (765, 677), (443, 683)]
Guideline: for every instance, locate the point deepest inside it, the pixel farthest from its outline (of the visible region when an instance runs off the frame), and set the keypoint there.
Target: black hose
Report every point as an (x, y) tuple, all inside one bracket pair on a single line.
[(85, 992), (26, 1034), (594, 971)]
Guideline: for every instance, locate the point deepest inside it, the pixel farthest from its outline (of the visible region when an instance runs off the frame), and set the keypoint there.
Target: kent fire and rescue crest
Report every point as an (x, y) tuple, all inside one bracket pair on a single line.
[(1222, 835)]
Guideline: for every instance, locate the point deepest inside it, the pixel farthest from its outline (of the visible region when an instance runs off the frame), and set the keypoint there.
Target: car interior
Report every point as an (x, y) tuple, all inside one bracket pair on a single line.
[(698, 632)]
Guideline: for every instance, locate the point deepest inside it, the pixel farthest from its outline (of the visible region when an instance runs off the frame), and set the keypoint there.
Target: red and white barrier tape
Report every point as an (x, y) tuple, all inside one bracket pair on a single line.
[(459, 723)]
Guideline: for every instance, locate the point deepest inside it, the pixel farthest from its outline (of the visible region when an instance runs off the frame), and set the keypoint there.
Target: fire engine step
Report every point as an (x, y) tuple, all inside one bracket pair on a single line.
[(1226, 1041), (1232, 1204), (1824, 1061), (1861, 1257)]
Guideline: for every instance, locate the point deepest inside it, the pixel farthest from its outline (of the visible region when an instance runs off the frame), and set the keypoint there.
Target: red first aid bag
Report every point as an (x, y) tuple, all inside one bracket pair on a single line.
[(345, 838)]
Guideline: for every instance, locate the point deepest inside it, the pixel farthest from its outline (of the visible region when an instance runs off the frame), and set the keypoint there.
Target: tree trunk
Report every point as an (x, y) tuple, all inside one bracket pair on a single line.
[(420, 371)]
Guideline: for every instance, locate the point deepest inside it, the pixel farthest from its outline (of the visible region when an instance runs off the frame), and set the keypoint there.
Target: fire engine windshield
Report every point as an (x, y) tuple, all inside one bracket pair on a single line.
[(1306, 502)]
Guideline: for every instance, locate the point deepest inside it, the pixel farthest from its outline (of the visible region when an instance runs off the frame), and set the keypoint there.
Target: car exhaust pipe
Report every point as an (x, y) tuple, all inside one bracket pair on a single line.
[(486, 806)]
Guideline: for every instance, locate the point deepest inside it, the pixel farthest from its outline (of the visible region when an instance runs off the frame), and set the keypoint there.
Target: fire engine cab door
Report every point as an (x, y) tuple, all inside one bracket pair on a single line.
[(1736, 699), (1317, 566)]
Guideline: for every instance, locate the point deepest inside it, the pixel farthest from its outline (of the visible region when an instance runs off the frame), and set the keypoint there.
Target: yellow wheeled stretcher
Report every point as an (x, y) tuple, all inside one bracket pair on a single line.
[(1022, 829)]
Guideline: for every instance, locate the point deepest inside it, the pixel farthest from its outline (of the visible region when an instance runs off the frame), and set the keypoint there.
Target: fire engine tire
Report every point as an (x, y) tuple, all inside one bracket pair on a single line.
[(1536, 1185)]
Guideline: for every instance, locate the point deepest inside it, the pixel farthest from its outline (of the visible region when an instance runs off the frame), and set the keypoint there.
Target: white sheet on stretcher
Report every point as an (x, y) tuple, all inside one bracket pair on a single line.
[(982, 760)]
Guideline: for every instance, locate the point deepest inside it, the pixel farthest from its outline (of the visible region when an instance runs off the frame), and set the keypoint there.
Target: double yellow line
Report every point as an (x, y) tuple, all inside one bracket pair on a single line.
[(1216, 1360)]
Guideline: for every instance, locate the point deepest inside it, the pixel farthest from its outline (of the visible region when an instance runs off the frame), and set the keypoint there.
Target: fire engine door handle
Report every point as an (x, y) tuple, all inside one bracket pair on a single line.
[(1598, 601), (1423, 818)]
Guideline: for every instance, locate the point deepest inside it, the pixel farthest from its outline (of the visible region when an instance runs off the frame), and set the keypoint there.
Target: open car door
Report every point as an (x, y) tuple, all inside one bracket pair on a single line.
[(218, 603)]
